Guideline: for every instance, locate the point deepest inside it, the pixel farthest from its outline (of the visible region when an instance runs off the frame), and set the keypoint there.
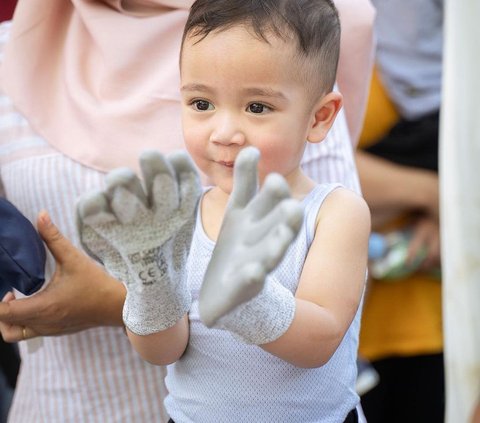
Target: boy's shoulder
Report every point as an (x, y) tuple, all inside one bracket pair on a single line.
[(343, 207)]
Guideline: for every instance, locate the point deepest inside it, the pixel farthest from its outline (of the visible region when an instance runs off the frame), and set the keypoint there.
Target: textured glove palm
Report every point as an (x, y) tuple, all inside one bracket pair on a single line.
[(144, 237)]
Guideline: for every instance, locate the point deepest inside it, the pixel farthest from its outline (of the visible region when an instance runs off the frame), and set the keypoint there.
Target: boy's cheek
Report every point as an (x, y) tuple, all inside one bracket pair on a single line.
[(196, 149), (188, 134)]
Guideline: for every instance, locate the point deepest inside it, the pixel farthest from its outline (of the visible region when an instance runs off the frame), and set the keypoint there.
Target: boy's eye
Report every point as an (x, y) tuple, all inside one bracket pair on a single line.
[(202, 105), (258, 108)]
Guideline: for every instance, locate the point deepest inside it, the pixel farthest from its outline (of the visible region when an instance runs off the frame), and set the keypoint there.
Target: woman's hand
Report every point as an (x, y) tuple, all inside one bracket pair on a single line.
[(79, 296), (426, 235)]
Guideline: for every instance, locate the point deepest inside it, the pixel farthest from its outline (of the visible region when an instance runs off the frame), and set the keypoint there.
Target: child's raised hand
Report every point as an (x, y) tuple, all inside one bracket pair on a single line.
[(256, 231), (144, 236)]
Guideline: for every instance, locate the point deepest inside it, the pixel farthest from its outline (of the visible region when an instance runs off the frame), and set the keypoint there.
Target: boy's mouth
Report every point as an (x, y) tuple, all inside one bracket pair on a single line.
[(226, 164)]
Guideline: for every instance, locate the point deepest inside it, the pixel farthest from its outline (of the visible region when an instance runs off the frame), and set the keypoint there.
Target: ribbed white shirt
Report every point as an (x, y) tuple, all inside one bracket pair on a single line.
[(221, 379)]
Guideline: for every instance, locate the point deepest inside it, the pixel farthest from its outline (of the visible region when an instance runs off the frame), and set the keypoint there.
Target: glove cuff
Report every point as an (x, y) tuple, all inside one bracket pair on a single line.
[(154, 313), (264, 318)]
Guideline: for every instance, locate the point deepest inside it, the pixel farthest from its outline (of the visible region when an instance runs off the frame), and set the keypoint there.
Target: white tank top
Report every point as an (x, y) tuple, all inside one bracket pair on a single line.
[(220, 379)]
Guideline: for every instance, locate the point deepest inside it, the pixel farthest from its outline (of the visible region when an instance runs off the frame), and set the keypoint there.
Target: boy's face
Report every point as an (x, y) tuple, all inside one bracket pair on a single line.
[(239, 91)]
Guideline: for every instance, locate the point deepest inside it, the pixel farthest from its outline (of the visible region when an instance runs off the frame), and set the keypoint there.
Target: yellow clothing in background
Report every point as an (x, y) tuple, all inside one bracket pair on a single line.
[(380, 116), (402, 317)]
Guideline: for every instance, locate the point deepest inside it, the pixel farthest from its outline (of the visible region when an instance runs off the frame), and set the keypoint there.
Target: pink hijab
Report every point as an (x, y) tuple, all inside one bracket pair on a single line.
[(99, 79)]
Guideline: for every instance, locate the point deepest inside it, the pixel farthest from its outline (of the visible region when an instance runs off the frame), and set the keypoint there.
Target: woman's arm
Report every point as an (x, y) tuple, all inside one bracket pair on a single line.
[(392, 189), (356, 60)]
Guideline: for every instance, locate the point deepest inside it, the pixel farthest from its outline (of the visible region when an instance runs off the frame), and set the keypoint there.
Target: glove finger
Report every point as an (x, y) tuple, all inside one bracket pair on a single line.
[(274, 190), (270, 250), (127, 197), (287, 212), (93, 209), (92, 243), (245, 178), (188, 178), (217, 300), (181, 162), (92, 212), (160, 182)]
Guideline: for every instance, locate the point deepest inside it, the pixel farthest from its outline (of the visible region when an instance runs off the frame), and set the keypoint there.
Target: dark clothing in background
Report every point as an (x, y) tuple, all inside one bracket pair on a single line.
[(411, 143), (9, 362), (415, 380)]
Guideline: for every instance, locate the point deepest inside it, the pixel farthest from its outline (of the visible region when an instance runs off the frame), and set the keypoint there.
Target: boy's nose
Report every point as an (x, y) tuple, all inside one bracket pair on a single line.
[(227, 131)]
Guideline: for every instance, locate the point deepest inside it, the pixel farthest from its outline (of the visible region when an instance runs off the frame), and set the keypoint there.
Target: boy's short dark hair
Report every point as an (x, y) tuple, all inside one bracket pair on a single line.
[(314, 24)]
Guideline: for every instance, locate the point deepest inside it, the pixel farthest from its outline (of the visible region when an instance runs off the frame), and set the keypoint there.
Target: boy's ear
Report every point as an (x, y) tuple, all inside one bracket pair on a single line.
[(324, 114)]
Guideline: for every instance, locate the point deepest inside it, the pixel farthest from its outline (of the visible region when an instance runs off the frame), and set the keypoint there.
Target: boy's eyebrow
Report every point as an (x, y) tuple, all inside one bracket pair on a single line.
[(265, 92), (254, 91), (195, 87)]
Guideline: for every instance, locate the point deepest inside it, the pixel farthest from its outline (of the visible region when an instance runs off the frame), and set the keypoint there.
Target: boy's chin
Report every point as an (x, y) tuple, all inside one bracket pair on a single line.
[(225, 186)]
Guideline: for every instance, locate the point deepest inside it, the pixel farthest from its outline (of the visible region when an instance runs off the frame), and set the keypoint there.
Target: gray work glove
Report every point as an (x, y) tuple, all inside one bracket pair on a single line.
[(144, 236), (236, 294)]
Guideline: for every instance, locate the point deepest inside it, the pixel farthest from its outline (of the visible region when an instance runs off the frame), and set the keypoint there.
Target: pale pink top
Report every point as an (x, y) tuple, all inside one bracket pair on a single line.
[(96, 79), (94, 375)]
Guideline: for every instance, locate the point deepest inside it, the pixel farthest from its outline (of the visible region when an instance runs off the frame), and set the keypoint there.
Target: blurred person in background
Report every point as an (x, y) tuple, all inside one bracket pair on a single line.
[(9, 358), (9, 365), (398, 165)]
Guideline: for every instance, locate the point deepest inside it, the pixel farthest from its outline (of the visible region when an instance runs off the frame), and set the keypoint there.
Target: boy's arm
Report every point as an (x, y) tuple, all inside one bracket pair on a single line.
[(331, 285), (238, 296), (142, 234), (164, 347)]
